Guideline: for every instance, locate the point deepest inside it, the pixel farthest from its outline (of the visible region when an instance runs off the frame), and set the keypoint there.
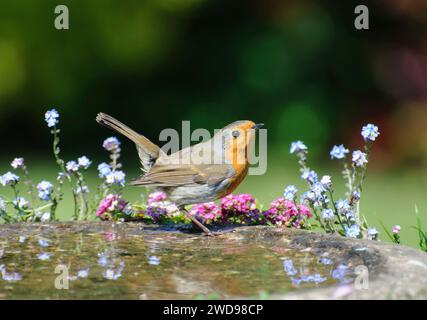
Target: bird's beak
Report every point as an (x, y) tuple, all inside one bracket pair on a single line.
[(258, 126)]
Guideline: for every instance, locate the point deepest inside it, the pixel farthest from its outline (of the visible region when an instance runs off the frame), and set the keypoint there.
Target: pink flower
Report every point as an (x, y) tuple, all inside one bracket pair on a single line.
[(208, 211), (241, 209), (304, 211), (395, 229), (156, 197), (158, 206), (112, 203), (240, 203), (157, 209), (285, 207), (104, 205), (285, 212)]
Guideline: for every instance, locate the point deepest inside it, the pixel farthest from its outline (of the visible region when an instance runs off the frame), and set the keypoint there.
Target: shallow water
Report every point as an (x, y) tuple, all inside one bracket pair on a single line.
[(156, 265)]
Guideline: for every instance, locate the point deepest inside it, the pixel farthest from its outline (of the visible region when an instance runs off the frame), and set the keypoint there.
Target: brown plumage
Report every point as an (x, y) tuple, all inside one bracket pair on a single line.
[(181, 175)]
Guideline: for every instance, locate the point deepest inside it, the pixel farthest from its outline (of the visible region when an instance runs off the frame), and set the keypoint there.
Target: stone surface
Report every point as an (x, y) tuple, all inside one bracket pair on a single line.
[(394, 271)]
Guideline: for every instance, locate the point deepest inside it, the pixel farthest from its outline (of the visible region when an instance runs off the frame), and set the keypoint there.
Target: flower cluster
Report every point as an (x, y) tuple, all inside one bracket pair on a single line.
[(158, 211), (77, 169), (370, 132), (241, 209), (285, 212), (20, 203), (113, 181), (111, 144), (343, 215), (116, 177), (111, 206), (45, 196), (24, 210), (157, 196), (207, 212), (298, 147), (9, 178), (43, 216), (158, 208), (238, 204), (339, 152), (372, 233), (236, 209), (110, 172), (104, 169), (51, 118), (359, 158), (45, 189), (290, 193), (17, 163), (82, 163), (291, 210), (395, 231)]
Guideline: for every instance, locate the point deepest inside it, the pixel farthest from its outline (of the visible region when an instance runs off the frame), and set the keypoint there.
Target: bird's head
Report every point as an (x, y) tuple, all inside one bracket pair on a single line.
[(236, 138)]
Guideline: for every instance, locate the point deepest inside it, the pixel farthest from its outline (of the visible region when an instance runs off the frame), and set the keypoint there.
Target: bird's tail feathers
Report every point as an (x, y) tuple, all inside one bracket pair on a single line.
[(147, 150)]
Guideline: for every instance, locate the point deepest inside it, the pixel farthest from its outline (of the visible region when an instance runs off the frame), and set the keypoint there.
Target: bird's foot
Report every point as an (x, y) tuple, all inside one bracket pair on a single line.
[(213, 233)]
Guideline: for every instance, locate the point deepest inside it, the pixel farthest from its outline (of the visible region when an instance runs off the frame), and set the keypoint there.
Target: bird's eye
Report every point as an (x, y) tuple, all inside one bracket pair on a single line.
[(235, 133)]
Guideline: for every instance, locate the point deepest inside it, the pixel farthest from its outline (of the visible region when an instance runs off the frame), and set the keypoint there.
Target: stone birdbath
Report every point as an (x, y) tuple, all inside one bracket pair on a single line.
[(104, 260)]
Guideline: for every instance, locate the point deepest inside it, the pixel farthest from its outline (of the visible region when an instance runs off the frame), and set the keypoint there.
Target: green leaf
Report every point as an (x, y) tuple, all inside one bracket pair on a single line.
[(422, 235), (388, 232)]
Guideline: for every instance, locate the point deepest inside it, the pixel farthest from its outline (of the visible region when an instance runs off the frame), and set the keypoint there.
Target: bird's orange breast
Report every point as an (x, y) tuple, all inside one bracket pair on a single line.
[(236, 180), (240, 169)]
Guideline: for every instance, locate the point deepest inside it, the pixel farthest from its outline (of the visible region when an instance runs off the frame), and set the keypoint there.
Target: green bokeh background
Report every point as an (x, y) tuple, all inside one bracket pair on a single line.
[(298, 66)]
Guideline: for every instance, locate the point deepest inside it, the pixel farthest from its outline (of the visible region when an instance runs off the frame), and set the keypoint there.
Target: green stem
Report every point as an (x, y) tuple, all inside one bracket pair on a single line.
[(48, 205), (29, 183), (61, 164), (317, 217), (81, 182), (16, 205), (359, 187), (347, 175), (335, 208), (368, 149)]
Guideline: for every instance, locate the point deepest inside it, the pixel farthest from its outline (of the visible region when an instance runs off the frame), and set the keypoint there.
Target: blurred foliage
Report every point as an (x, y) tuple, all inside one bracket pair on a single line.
[(298, 66)]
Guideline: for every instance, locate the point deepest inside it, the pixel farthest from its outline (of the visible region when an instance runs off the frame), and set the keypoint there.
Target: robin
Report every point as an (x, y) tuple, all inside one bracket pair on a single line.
[(181, 175)]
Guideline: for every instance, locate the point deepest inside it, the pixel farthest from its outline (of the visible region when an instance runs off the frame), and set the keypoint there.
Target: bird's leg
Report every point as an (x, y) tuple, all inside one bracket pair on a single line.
[(196, 222)]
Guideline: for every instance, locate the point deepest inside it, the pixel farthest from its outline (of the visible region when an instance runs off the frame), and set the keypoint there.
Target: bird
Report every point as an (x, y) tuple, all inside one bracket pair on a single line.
[(181, 175)]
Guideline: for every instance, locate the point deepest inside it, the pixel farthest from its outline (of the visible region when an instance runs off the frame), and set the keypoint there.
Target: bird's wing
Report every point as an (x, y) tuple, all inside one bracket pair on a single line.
[(177, 175)]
